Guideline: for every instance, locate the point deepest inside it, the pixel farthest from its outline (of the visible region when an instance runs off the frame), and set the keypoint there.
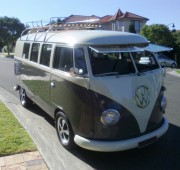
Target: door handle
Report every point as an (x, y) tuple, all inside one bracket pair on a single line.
[(53, 84)]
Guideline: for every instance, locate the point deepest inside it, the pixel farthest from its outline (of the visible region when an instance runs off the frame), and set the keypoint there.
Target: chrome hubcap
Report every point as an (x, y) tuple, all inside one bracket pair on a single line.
[(63, 130), (22, 96)]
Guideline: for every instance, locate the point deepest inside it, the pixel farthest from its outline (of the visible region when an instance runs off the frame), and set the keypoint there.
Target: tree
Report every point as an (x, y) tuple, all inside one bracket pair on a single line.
[(132, 28), (176, 36), (10, 29), (158, 34), (176, 46)]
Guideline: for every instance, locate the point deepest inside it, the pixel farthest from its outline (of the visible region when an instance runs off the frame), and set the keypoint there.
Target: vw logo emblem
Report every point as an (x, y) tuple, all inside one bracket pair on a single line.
[(142, 96)]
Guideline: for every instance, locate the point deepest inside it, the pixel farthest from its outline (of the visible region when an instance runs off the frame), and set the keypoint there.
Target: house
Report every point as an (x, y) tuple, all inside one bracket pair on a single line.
[(119, 21)]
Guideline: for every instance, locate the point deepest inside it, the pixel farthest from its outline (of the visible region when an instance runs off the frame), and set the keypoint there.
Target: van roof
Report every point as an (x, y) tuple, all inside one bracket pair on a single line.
[(87, 37)]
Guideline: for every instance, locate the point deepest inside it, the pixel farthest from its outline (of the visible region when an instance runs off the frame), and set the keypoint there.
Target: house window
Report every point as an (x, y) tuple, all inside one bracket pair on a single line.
[(117, 26), (136, 26)]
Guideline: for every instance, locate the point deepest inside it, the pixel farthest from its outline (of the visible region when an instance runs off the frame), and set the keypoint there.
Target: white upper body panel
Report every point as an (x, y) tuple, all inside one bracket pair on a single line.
[(122, 90), (88, 37)]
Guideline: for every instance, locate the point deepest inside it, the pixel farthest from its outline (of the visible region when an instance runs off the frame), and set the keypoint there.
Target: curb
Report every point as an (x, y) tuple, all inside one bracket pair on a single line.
[(173, 73)]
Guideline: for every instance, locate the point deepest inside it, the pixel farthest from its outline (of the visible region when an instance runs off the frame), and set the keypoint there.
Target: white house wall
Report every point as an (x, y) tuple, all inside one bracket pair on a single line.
[(124, 25)]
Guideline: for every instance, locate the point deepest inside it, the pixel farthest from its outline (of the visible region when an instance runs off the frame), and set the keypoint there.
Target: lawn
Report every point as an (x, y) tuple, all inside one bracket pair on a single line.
[(178, 71), (13, 137)]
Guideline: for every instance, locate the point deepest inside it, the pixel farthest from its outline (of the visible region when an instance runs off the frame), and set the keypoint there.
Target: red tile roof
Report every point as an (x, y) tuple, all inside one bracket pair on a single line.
[(118, 15), (76, 18), (133, 16), (105, 18)]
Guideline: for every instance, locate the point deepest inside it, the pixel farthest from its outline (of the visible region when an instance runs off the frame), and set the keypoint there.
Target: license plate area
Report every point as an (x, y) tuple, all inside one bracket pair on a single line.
[(147, 142)]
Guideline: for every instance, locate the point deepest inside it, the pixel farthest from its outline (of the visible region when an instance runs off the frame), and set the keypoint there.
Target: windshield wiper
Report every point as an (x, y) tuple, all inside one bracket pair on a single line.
[(108, 74)]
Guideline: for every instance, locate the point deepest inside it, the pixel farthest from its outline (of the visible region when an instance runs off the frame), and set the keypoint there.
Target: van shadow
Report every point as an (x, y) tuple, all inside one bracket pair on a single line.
[(162, 155), (10, 56), (38, 111)]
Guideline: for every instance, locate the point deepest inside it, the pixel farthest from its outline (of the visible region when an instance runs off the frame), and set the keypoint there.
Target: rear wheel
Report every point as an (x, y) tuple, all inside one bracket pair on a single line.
[(173, 65), (25, 101), (64, 131)]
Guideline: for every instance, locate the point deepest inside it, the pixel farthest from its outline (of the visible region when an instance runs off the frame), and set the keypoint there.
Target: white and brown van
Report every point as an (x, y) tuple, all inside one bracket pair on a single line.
[(92, 83)]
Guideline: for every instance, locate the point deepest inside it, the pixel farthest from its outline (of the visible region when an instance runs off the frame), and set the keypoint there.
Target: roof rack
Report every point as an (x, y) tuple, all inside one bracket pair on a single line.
[(58, 25)]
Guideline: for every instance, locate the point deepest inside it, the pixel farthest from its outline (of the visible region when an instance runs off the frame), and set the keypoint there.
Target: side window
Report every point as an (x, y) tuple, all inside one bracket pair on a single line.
[(45, 54), (144, 61), (63, 58), (57, 55), (66, 59), (160, 57), (26, 50), (34, 52), (79, 57)]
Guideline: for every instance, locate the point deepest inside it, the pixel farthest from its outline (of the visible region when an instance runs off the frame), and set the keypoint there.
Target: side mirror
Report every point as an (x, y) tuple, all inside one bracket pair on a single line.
[(75, 72)]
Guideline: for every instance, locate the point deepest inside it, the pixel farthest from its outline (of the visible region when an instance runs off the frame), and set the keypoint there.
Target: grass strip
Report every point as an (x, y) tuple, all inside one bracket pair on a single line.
[(178, 71), (13, 137)]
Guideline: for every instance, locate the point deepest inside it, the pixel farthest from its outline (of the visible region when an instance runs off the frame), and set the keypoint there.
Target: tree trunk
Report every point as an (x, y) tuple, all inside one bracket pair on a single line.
[(8, 49)]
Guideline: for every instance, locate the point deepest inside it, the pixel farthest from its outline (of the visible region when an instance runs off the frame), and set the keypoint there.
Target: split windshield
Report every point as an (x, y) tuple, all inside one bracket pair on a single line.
[(116, 61)]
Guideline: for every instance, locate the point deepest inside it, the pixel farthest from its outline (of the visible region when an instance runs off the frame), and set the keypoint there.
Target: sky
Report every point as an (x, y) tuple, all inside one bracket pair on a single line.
[(157, 11)]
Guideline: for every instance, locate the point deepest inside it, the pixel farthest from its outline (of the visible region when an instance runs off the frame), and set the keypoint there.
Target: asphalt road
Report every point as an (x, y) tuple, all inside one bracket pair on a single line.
[(162, 155)]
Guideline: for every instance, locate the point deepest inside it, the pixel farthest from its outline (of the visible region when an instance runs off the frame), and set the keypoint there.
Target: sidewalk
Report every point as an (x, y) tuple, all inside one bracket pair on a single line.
[(174, 73), (23, 161)]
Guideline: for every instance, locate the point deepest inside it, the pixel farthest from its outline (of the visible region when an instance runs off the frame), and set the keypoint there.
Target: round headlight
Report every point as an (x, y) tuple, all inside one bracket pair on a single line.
[(110, 117), (163, 103)]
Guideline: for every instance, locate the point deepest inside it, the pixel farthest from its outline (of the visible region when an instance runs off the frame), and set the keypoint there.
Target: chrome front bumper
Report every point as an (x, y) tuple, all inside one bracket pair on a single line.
[(112, 146)]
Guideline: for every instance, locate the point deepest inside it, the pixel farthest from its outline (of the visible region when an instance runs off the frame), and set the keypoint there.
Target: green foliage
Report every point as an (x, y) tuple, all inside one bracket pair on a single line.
[(132, 28), (158, 34), (176, 36), (178, 71), (13, 138), (10, 29), (176, 46)]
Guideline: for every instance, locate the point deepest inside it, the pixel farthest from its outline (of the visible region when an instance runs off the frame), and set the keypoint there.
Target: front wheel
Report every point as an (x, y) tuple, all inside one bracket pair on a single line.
[(173, 65), (64, 131), (25, 101)]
